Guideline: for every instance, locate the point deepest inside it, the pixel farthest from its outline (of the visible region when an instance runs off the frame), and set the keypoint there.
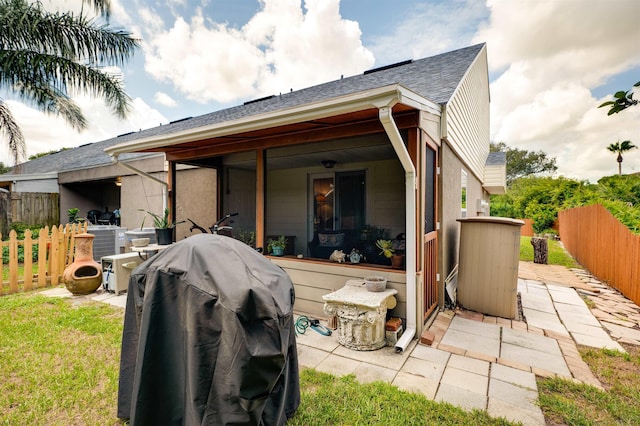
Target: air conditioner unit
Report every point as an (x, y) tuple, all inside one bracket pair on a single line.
[(116, 271)]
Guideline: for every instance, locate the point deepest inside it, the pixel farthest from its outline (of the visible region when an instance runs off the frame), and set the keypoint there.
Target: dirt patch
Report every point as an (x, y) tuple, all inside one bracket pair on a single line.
[(552, 274)]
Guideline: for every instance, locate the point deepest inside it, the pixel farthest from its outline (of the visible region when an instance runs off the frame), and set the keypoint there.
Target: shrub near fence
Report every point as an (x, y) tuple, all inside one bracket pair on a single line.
[(51, 252), (603, 245)]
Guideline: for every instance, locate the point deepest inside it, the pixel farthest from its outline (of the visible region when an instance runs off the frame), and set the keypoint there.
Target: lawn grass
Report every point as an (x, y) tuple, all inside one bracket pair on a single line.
[(59, 365), (58, 362), (566, 402), (557, 255), (329, 400)]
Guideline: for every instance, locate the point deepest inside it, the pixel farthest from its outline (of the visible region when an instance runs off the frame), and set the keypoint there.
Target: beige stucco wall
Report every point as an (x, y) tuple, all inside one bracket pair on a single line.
[(196, 199)]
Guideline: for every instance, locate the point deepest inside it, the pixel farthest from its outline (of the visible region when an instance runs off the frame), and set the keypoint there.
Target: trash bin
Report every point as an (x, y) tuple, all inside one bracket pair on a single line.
[(488, 266), (209, 338)]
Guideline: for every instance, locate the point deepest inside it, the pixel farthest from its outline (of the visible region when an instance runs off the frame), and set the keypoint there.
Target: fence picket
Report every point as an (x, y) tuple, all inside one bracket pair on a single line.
[(607, 248), (13, 261), (28, 260)]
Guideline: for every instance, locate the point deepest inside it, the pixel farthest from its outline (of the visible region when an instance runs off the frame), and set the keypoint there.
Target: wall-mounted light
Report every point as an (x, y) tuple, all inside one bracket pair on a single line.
[(118, 181), (328, 164)]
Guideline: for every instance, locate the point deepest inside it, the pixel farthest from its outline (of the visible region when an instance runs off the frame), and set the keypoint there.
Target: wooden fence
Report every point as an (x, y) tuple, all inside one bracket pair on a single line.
[(527, 229), (54, 250), (30, 208), (603, 245)]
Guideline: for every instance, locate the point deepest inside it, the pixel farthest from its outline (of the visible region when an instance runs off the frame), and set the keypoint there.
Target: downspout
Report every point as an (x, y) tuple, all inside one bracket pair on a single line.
[(393, 133), (165, 185)]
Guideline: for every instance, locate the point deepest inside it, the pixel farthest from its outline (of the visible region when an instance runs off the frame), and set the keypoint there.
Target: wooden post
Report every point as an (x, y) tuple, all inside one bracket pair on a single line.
[(540, 250)]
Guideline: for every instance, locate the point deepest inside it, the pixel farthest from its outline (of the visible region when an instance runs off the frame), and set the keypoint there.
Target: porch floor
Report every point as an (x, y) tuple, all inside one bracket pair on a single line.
[(479, 361)]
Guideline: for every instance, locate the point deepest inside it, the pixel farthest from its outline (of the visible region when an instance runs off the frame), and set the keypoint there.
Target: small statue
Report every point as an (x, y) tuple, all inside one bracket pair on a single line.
[(355, 256), (337, 256)]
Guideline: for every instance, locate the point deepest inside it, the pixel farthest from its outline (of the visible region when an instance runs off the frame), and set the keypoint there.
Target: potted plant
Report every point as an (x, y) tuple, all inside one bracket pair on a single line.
[(164, 228), (386, 248), (276, 247), (398, 245)]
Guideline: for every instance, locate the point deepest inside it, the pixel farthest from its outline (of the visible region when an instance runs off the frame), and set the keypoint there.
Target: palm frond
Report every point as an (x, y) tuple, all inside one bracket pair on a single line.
[(10, 130), (34, 72), (30, 28)]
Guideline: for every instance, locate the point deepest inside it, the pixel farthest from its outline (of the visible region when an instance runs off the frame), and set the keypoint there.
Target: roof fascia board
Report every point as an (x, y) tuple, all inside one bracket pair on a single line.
[(30, 176), (382, 96)]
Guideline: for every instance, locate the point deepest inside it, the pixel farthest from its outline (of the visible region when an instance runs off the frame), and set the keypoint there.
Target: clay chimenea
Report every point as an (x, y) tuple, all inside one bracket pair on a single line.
[(84, 275)]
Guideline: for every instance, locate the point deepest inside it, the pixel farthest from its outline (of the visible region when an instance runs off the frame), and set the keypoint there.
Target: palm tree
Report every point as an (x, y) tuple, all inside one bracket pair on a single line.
[(46, 56), (619, 148)]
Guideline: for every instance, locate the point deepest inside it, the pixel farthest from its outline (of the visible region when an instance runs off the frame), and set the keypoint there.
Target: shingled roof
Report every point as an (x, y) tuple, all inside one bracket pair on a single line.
[(435, 78)]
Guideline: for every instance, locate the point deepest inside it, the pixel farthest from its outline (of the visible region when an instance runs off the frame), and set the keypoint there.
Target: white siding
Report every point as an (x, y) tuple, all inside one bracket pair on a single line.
[(467, 117), (495, 181), (37, 185)]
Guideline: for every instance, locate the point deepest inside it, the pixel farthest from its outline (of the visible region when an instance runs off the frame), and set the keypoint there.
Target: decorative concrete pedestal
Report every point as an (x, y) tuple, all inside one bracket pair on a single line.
[(361, 314)]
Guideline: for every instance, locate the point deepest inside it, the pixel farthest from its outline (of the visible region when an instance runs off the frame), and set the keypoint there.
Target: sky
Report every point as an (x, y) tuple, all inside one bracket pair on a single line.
[(551, 63)]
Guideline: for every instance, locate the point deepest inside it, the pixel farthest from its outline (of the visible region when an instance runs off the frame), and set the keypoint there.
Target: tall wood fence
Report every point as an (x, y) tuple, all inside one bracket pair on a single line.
[(526, 230), (30, 208), (53, 252), (604, 246)]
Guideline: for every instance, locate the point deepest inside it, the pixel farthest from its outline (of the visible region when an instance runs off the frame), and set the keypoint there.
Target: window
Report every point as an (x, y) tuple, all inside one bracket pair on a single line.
[(339, 201), (463, 192)]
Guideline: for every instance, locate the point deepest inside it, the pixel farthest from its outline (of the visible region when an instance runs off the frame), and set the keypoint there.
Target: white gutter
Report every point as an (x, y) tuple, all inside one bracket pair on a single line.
[(410, 218), (165, 185)]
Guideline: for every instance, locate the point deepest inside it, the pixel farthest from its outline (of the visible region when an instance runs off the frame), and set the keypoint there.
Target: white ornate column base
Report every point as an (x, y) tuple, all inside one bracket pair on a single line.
[(360, 327)]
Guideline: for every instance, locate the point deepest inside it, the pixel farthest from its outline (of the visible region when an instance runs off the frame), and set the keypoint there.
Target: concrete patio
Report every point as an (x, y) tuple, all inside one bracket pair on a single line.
[(489, 363)]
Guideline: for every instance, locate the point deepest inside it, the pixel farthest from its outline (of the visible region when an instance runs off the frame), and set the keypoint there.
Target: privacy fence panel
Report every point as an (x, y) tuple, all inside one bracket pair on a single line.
[(35, 208), (527, 229), (603, 245)]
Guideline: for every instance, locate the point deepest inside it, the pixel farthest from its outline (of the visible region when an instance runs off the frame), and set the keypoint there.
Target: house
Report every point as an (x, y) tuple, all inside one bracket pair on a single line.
[(399, 150)]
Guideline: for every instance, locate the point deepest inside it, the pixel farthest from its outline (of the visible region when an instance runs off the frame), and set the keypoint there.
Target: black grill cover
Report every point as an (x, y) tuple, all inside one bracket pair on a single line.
[(208, 338)]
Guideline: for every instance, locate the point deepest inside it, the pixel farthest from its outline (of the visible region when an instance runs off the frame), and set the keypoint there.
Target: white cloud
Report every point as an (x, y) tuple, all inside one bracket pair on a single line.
[(429, 28), (553, 54), (164, 99), (280, 48)]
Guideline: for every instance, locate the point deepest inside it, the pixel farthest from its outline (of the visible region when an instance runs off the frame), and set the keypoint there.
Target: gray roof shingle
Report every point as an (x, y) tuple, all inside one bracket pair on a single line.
[(434, 78), (496, 159)]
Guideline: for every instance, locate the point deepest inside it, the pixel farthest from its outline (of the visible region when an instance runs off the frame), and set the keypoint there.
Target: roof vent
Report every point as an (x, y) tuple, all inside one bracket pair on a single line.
[(259, 100), (386, 67), (181, 119)]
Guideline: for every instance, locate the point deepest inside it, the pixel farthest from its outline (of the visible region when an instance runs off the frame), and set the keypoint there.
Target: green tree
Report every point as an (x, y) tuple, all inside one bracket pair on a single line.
[(619, 148), (621, 101), (46, 56), (521, 163), (3, 168), (44, 154)]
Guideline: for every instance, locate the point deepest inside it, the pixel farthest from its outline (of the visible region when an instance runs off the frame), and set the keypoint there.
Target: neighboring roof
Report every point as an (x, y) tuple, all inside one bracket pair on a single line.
[(435, 78), (496, 159), (82, 157)]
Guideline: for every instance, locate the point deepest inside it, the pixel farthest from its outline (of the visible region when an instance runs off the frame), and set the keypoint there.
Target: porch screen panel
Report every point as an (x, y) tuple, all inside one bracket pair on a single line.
[(350, 193), (430, 191)]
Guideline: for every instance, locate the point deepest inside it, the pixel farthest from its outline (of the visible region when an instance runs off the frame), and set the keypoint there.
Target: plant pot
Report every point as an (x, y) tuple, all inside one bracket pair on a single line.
[(375, 284), (164, 236), (277, 251), (397, 261)]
